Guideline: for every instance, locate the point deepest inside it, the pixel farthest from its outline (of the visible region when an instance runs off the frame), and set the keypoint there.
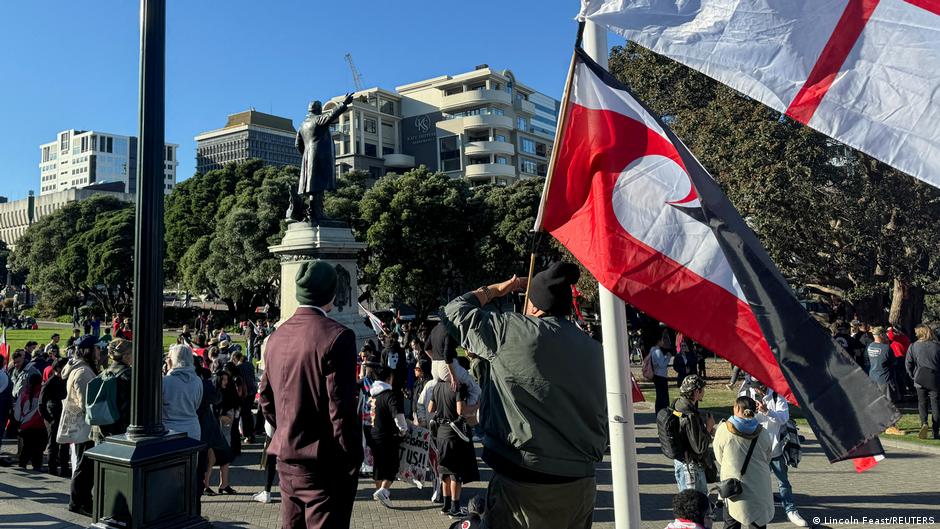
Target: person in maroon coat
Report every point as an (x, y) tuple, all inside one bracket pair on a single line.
[(310, 395)]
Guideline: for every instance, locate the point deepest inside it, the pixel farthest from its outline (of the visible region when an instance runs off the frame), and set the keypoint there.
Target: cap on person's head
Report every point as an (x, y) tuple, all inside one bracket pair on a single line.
[(316, 283), (690, 384), (550, 289), (119, 348), (225, 344), (86, 342)]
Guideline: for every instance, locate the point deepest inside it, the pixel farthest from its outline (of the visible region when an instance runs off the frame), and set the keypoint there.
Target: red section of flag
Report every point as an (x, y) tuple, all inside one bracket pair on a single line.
[(928, 5), (827, 67), (579, 213), (864, 463), (637, 394)]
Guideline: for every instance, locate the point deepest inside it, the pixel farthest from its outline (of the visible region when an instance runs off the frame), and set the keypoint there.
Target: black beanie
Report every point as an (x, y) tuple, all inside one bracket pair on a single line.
[(316, 283), (551, 288)]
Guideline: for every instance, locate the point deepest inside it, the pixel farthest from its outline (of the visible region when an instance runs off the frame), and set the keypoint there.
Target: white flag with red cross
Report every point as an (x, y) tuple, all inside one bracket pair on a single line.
[(865, 72)]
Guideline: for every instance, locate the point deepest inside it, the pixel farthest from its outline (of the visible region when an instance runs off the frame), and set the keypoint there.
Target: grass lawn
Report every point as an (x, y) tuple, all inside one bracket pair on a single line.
[(718, 401), (18, 338)]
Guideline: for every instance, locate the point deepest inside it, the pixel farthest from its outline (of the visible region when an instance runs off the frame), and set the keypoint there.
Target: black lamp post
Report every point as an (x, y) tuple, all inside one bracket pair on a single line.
[(147, 478)]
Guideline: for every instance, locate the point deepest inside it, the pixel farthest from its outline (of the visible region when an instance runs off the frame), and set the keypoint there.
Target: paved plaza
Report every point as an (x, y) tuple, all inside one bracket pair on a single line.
[(907, 484)]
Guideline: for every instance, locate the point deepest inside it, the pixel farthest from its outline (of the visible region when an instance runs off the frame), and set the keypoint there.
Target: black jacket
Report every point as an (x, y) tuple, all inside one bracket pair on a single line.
[(53, 393), (697, 440)]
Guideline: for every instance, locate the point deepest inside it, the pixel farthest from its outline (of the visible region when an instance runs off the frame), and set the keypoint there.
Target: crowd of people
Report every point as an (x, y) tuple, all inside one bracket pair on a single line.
[(323, 410)]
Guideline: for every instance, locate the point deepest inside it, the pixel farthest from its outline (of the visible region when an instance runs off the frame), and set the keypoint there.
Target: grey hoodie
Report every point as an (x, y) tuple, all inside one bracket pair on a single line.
[(182, 393)]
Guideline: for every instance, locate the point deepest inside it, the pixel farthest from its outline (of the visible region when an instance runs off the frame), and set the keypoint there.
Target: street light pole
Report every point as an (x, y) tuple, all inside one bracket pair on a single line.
[(147, 404), (147, 478)]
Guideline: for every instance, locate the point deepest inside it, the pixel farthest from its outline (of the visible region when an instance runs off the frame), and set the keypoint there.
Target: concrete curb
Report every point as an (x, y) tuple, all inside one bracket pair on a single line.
[(889, 441)]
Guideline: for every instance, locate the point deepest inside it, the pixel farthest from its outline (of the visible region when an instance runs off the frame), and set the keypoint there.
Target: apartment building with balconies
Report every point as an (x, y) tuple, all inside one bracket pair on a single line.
[(367, 136), (482, 125)]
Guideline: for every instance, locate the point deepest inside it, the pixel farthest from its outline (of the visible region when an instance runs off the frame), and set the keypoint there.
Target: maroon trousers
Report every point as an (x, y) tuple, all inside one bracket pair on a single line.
[(312, 499)]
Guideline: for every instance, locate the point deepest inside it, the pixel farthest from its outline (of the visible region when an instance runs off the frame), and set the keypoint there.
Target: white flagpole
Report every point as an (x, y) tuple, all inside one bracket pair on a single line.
[(617, 366)]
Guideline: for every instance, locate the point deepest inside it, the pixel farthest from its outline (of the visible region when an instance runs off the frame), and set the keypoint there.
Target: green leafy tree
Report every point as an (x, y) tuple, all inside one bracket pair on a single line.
[(231, 261), (343, 203), (80, 253), (195, 206), (420, 243)]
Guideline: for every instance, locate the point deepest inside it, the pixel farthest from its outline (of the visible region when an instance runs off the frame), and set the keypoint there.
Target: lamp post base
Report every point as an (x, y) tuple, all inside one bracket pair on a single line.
[(147, 483)]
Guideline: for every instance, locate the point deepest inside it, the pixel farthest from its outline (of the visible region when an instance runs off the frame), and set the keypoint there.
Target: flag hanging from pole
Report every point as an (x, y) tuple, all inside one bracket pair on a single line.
[(627, 198), (4, 350), (865, 72)]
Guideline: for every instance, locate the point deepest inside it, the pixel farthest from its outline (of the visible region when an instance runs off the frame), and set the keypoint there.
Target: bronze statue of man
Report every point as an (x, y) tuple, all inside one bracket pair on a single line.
[(317, 170)]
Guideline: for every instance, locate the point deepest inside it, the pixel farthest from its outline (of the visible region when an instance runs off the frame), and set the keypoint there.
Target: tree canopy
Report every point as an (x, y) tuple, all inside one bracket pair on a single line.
[(80, 253)]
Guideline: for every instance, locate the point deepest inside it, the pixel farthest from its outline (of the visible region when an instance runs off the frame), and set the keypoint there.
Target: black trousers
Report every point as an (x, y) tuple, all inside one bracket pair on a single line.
[(932, 397), (32, 445), (82, 479), (662, 392), (58, 453), (247, 418), (731, 523)]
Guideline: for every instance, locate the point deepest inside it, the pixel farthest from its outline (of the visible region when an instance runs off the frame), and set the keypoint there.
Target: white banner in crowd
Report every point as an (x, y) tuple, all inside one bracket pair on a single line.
[(418, 461)]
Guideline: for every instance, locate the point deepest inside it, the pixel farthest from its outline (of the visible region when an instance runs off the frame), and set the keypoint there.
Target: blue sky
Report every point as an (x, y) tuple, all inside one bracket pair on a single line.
[(74, 64)]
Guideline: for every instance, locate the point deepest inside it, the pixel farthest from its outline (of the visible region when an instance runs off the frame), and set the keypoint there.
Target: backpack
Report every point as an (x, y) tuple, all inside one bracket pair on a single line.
[(669, 429), (647, 369), (101, 408)]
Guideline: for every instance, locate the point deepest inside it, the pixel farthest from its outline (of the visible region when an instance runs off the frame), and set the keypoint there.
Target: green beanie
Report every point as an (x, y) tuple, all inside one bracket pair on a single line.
[(316, 283)]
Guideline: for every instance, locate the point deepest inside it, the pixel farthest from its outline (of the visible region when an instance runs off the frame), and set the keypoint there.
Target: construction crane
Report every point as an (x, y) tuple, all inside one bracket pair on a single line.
[(357, 77)]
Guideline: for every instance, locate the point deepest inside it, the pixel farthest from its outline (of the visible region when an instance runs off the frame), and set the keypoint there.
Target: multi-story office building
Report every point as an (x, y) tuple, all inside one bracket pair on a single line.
[(249, 134), (80, 158), (368, 136), (17, 215), (482, 125)]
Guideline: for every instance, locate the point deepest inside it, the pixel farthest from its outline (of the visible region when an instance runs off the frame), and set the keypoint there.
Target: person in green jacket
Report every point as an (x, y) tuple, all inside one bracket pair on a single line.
[(544, 411)]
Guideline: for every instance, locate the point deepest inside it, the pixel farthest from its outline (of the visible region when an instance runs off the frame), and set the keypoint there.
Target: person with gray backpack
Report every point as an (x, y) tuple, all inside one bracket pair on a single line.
[(108, 398)]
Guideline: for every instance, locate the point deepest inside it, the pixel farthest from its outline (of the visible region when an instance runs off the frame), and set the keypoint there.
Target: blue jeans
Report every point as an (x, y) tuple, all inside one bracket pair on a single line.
[(779, 468), (690, 476)]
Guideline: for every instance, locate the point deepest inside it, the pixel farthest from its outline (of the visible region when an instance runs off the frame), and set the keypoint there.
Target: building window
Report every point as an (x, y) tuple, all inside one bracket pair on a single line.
[(64, 142), (368, 125), (528, 166), (453, 91), (386, 150), (388, 107), (499, 137), (169, 153), (450, 154), (527, 145), (502, 160), (522, 124), (370, 149), (541, 149)]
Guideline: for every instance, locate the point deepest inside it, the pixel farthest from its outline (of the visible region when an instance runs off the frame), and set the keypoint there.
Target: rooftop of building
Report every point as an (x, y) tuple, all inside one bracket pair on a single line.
[(481, 71), (252, 117)]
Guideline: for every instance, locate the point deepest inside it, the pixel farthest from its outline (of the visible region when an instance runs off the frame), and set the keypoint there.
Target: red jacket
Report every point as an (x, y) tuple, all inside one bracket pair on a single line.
[(899, 343), (310, 395)]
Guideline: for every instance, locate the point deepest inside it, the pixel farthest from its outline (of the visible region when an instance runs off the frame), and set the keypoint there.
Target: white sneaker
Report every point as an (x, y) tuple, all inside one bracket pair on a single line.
[(382, 496), (796, 519), (262, 497)]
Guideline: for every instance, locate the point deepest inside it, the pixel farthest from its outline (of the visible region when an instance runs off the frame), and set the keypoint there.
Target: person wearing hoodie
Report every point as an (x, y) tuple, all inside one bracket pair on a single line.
[(32, 433), (754, 506), (922, 365), (773, 413), (697, 430), (73, 429), (182, 393), (54, 391), (388, 428), (690, 507)]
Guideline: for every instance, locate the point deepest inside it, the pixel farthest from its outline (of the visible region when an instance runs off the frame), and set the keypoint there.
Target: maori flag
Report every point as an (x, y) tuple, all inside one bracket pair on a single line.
[(629, 200), (865, 72)]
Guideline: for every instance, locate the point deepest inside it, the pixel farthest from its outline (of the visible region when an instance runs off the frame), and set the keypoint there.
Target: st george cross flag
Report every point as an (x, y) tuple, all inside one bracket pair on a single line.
[(629, 200), (865, 72)]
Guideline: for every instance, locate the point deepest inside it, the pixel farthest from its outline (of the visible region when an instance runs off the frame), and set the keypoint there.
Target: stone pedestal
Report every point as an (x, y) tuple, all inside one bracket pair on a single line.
[(334, 243)]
